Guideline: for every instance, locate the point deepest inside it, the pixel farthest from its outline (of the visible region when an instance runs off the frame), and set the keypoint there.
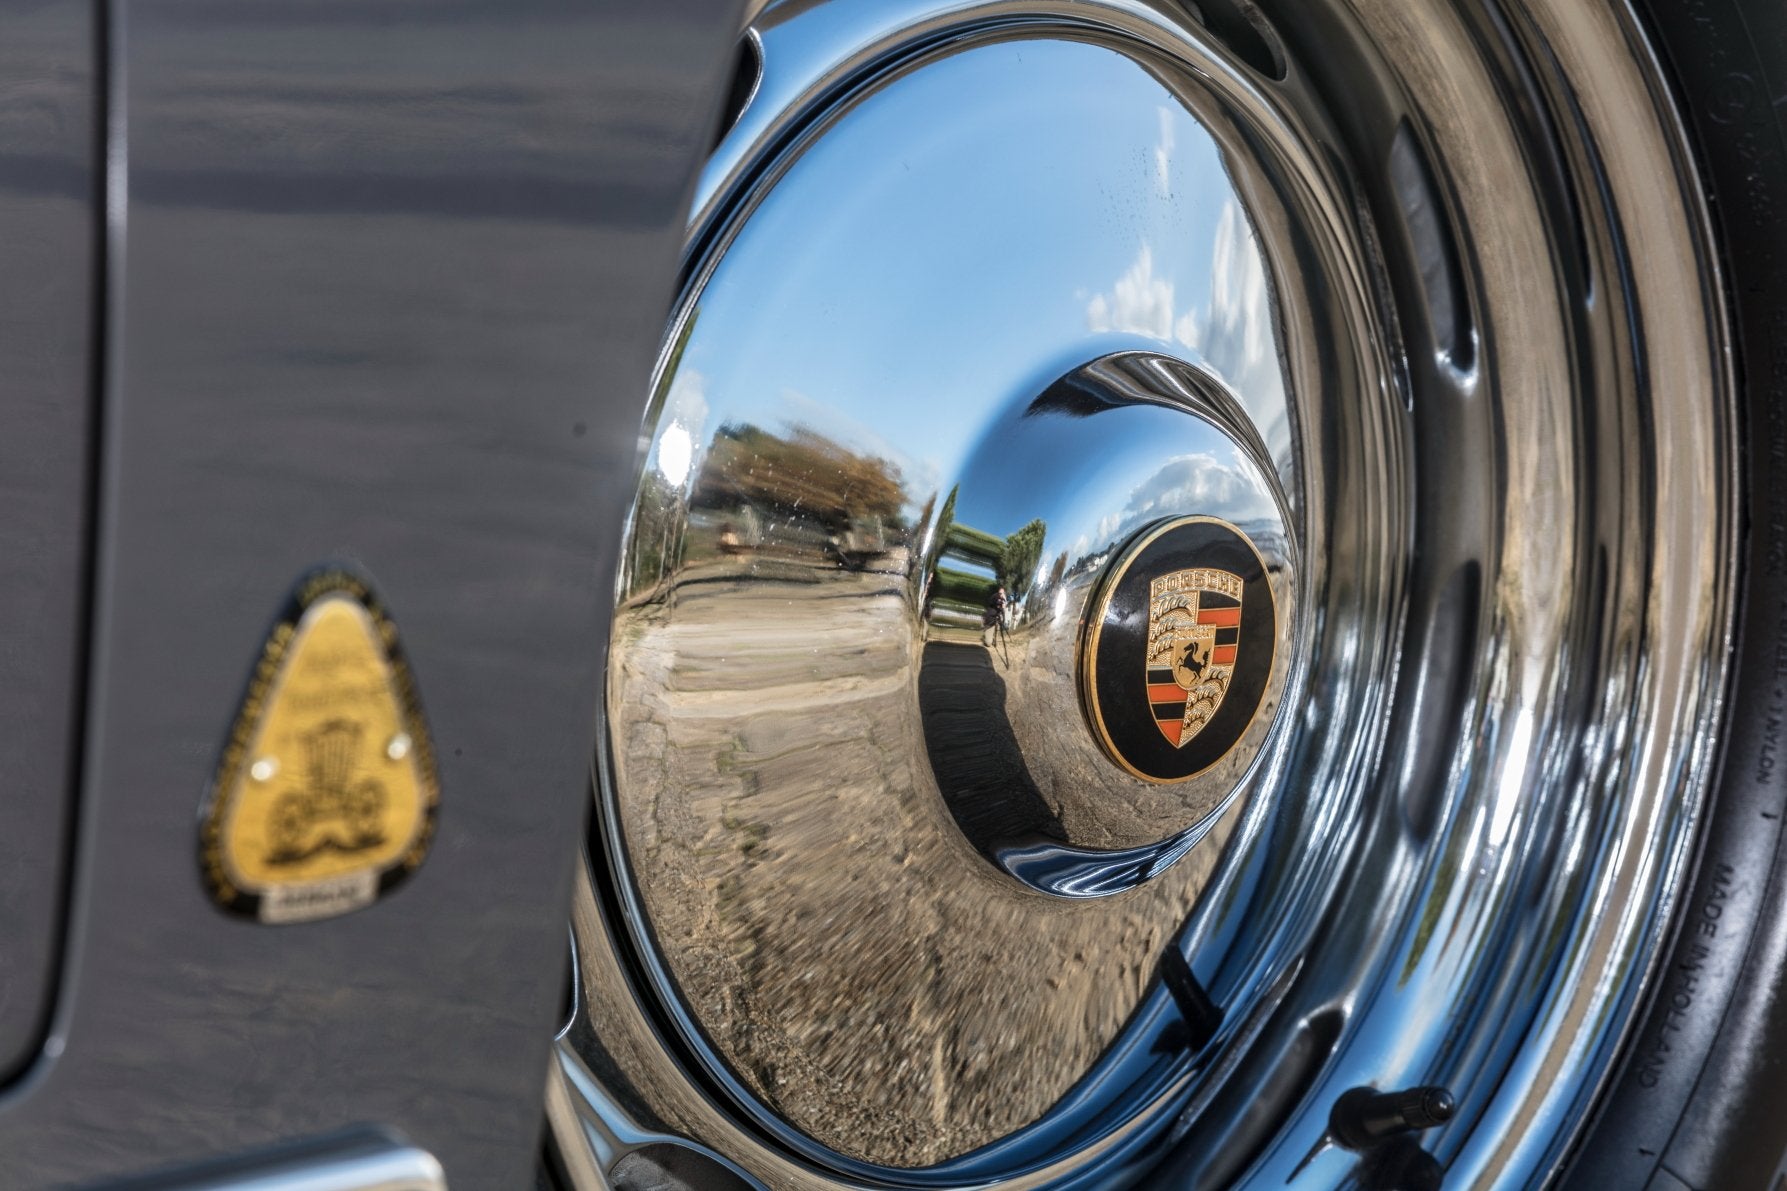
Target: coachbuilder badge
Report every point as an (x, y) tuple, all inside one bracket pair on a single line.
[(1179, 648), (325, 796)]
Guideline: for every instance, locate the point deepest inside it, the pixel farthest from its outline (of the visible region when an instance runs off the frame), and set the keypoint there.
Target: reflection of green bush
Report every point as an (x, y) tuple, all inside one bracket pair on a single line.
[(961, 589), (965, 541)]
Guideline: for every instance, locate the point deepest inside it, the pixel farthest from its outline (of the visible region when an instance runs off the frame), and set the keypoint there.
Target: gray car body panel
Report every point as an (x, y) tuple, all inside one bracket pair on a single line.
[(48, 282), (381, 287)]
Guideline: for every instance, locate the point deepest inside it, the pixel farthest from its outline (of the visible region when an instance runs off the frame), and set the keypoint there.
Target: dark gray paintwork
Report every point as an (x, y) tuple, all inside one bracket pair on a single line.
[(385, 291), (48, 233)]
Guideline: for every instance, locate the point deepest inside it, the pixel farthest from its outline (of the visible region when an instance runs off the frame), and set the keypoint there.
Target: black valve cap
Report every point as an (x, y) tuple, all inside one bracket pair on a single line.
[(1363, 1117)]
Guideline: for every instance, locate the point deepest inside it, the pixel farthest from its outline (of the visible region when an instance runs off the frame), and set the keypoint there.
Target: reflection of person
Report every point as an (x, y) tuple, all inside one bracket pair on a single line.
[(992, 621)]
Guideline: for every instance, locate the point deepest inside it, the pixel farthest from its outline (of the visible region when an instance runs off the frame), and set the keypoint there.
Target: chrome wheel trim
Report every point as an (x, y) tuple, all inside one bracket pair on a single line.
[(1523, 1055)]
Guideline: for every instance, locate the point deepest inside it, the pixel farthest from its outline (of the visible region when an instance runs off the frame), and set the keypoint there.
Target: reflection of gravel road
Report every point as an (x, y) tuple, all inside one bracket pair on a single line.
[(866, 972)]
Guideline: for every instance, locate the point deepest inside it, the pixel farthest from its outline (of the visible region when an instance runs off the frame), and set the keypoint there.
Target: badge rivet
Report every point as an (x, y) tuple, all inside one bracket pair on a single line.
[(264, 769)]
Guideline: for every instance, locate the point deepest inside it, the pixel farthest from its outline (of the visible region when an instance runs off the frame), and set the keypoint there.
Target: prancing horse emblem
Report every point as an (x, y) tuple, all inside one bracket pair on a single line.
[(1194, 632)]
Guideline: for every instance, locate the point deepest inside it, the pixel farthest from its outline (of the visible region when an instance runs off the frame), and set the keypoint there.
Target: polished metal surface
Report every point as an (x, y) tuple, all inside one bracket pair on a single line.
[(879, 414), (369, 1164), (979, 291)]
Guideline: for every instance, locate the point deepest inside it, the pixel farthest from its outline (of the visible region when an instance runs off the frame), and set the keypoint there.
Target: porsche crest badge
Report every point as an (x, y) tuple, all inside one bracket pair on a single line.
[(326, 792), (1194, 635), (1178, 648)]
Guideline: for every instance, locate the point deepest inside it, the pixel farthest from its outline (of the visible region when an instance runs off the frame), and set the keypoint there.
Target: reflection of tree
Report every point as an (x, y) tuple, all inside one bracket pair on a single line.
[(946, 516), (657, 542), (1019, 556), (970, 563), (804, 474)]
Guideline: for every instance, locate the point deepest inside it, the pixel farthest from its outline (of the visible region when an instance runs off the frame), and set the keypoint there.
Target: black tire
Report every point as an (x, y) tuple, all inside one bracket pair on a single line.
[(1697, 1101)]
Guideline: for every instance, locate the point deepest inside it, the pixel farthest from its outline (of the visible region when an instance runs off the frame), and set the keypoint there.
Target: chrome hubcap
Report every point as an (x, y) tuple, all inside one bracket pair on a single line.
[(1082, 731), (1179, 567)]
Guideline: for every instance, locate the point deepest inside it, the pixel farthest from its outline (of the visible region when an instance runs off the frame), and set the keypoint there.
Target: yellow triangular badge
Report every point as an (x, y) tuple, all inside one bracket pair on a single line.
[(326, 793)]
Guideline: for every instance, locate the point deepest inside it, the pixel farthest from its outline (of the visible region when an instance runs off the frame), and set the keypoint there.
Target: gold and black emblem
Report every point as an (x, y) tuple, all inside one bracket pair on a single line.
[(1178, 648), (1194, 638), (325, 796)]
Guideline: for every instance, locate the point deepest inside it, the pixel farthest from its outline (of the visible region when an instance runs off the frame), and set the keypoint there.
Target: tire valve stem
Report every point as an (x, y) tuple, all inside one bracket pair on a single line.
[(1375, 1125), (1365, 1117)]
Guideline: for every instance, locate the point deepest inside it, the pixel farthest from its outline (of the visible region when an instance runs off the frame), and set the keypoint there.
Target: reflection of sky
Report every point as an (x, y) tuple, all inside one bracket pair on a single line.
[(1231, 331), (976, 230), (1097, 479)]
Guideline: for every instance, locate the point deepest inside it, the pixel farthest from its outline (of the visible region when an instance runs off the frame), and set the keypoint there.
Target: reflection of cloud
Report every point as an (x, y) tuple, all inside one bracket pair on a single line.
[(687, 401), (685, 409), (676, 450), (1234, 334), (1140, 303), (1204, 483), (1194, 483), (1238, 338), (1187, 331), (1163, 152)]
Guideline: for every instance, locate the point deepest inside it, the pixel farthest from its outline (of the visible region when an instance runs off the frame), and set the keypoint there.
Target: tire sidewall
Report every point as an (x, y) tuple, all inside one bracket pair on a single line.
[(1696, 1100)]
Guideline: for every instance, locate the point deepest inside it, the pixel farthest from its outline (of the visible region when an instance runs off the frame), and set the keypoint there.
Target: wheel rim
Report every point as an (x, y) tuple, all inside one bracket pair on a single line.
[(1484, 444)]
